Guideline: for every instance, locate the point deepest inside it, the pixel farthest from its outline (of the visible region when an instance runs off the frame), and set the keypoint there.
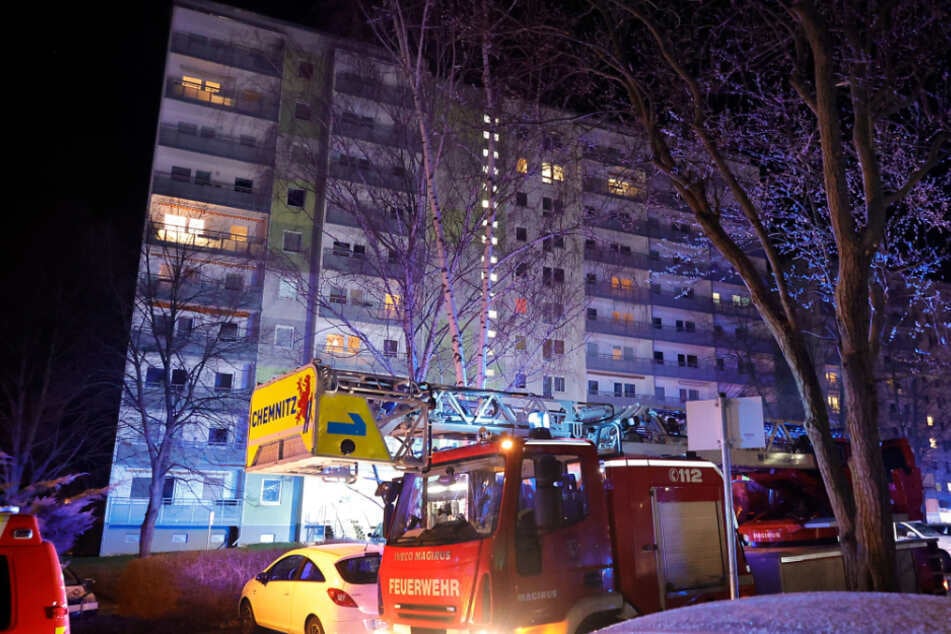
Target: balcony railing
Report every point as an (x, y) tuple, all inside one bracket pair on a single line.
[(340, 216), (217, 241), (197, 45), (704, 371), (367, 312), (213, 192), (600, 186), (218, 145), (361, 265), (371, 176), (206, 292), (617, 258), (607, 290), (353, 84), (243, 102), (175, 512), (378, 134)]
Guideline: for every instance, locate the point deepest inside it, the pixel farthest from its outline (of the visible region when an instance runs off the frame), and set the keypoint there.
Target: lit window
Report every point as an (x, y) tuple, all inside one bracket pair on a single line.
[(621, 187), (391, 303), (832, 378), (715, 297), (521, 305), (616, 353), (833, 400), (520, 343), (353, 344), (334, 343), (930, 420), (521, 165), (390, 347), (286, 289), (933, 443), (552, 172)]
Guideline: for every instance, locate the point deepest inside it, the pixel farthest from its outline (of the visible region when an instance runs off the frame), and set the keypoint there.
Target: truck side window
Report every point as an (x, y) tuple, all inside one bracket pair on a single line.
[(552, 494)]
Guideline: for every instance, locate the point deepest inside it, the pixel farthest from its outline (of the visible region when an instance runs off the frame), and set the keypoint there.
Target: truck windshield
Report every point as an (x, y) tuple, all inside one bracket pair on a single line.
[(451, 503)]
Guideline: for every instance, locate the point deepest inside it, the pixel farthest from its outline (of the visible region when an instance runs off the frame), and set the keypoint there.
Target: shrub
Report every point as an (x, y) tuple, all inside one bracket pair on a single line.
[(200, 586)]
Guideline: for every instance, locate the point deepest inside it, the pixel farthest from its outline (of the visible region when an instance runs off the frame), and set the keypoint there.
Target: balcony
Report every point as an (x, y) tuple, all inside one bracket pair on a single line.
[(372, 176), (392, 135), (696, 303), (341, 216), (212, 192), (331, 308), (207, 292), (616, 221), (218, 145), (617, 257), (704, 371), (369, 88), (175, 236), (606, 290), (214, 50), (174, 512), (600, 186), (248, 103), (360, 265)]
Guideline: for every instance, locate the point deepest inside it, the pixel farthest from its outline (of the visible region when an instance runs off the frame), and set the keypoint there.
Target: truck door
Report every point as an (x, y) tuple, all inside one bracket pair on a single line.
[(691, 551), (559, 554)]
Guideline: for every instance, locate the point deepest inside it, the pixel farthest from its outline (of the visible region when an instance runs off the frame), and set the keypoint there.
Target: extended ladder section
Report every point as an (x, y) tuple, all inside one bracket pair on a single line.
[(317, 417), (639, 431)]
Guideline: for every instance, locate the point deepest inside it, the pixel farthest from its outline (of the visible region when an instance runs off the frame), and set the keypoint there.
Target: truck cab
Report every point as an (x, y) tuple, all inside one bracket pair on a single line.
[(32, 591)]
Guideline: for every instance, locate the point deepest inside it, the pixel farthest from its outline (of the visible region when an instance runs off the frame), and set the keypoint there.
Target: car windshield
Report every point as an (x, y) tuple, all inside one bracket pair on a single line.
[(358, 570), (923, 529), (450, 503)]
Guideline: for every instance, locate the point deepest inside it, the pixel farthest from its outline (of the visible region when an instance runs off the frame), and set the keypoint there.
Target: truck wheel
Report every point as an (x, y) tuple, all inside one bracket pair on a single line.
[(248, 624), (313, 626)]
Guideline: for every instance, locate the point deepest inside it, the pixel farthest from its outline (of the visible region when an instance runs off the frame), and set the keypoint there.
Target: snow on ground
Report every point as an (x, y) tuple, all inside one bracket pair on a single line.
[(803, 613)]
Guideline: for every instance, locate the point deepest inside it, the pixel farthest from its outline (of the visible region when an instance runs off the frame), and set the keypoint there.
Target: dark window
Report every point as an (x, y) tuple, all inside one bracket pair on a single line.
[(520, 380), (546, 203), (654, 255), (657, 323), (202, 177), (218, 436), (341, 248), (140, 487), (154, 376), (590, 278), (630, 390), (302, 111), (223, 381), (690, 326), (234, 281), (559, 384), (247, 140), (187, 128), (245, 185), (521, 199), (359, 250), (720, 363), (521, 234), (181, 174), (521, 269), (207, 132), (593, 388), (546, 387), (681, 360), (295, 197), (659, 358), (292, 241), (285, 569), (655, 289), (228, 331), (310, 572), (390, 347), (692, 361), (179, 376), (593, 314), (680, 325), (618, 389)]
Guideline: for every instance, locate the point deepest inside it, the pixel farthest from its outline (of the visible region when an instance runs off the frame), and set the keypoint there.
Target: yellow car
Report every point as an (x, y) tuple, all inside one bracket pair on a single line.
[(321, 589)]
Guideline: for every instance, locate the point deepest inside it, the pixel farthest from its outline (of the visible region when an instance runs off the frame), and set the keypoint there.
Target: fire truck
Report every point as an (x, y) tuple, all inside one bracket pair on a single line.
[(513, 512)]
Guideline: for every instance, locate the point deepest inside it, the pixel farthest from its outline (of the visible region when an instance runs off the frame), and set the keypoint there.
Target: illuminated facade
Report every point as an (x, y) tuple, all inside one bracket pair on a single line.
[(283, 166)]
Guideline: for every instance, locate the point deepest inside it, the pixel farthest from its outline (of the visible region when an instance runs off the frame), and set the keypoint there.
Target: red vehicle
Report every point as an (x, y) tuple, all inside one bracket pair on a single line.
[(32, 592), (530, 535)]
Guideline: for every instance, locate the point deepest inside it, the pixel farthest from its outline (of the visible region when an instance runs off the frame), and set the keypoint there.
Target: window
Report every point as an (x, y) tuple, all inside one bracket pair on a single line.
[(559, 383), (234, 281), (520, 380), (305, 70), (546, 203), (296, 197), (520, 343), (271, 492), (593, 388), (521, 234), (521, 305), (334, 343), (521, 199), (247, 140), (390, 347), (218, 436), (715, 297), (690, 326), (359, 250), (244, 185), (188, 128), (341, 248), (391, 304), (553, 347), (657, 323), (284, 336), (154, 376), (302, 111), (659, 393), (521, 269), (630, 390), (618, 389), (521, 165), (228, 331), (553, 276), (552, 313), (552, 172), (546, 387), (833, 401), (721, 363), (292, 241), (659, 357), (140, 488), (202, 177), (223, 381), (338, 295), (592, 314)]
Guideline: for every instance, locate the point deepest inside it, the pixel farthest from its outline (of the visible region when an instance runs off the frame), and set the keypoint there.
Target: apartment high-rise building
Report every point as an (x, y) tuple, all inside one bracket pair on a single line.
[(287, 221)]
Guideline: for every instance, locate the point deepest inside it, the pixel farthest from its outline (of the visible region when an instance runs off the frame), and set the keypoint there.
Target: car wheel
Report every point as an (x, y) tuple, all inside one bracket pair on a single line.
[(313, 626), (248, 624)]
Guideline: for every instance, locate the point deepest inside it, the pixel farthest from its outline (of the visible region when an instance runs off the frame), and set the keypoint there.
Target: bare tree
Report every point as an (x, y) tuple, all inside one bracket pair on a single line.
[(812, 134), (183, 372)]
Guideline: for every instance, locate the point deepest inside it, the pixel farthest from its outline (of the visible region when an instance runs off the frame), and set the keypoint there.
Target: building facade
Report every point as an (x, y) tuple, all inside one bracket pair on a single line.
[(288, 221)]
